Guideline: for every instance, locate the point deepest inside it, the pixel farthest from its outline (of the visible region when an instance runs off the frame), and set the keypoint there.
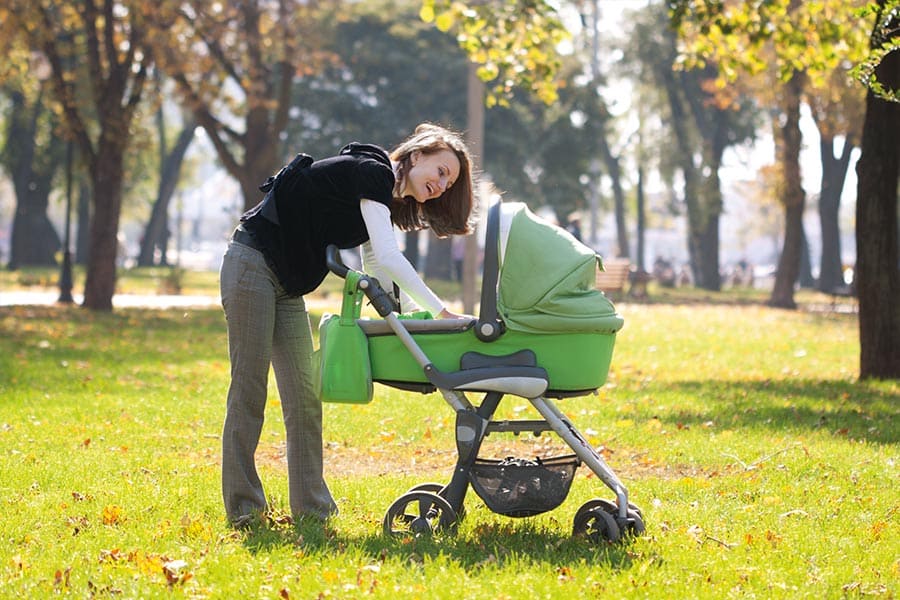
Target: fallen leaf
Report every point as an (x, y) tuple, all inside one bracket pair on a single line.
[(61, 579), (173, 572), (112, 515)]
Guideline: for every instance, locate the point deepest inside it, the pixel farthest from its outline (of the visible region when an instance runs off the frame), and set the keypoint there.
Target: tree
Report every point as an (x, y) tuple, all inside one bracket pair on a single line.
[(510, 44), (514, 43), (789, 141), (234, 65), (803, 43), (837, 110), (28, 152), (32, 158), (704, 121), (388, 72), (878, 169), (99, 59), (156, 233), (819, 37)]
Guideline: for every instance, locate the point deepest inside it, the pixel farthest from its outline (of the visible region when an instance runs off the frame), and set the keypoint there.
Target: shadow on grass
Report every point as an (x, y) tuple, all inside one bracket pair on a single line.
[(487, 544), (857, 410)]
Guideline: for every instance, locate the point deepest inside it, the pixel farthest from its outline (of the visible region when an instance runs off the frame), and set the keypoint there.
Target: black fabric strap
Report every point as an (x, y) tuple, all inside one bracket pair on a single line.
[(489, 326)]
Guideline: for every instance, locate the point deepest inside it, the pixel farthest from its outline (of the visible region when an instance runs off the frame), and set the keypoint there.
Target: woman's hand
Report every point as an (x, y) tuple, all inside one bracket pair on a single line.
[(446, 314)]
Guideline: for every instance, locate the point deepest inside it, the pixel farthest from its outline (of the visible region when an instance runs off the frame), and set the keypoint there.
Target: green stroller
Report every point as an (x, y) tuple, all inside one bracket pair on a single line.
[(544, 331)]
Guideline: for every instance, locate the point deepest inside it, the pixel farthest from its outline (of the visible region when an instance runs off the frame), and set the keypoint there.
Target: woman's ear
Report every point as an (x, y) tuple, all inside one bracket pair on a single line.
[(414, 157)]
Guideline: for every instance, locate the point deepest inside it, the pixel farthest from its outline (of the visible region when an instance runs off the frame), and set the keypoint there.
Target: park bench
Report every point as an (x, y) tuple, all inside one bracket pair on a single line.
[(611, 281)]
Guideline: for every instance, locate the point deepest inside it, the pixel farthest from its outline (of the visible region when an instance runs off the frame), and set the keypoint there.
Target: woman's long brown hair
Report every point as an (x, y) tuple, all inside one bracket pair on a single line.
[(450, 213)]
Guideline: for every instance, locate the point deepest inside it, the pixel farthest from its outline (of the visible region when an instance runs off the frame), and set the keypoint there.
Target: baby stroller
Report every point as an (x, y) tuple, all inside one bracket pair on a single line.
[(544, 331)]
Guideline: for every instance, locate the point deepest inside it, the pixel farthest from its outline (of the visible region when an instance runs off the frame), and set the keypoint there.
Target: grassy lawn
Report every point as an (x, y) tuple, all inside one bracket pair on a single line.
[(763, 468)]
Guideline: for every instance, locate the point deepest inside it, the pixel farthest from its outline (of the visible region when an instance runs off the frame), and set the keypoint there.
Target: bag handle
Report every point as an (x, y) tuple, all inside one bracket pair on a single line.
[(351, 306)]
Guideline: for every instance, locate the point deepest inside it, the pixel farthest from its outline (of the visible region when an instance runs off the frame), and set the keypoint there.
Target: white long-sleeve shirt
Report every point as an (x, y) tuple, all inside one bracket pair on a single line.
[(383, 260)]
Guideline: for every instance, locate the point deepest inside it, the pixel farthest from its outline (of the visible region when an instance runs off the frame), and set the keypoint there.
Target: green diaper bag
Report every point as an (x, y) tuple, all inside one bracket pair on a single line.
[(343, 372)]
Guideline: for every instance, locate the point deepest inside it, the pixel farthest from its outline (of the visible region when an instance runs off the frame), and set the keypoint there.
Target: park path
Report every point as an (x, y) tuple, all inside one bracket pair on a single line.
[(158, 301), (45, 298)]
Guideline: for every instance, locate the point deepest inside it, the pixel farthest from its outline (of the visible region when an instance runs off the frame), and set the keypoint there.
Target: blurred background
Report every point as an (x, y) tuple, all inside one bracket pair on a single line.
[(150, 127)]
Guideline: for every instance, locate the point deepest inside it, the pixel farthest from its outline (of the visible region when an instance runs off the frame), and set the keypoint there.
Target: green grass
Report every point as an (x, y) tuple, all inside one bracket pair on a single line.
[(763, 468), (140, 280)]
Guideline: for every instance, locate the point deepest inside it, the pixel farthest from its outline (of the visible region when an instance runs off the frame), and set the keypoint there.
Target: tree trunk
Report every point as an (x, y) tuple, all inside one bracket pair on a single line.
[(614, 170), (685, 161), (475, 139), (156, 234), (439, 265), (640, 259), (34, 241), (834, 173), (106, 174), (804, 275), (707, 276), (82, 235), (703, 231), (259, 147), (411, 249), (878, 267), (793, 197)]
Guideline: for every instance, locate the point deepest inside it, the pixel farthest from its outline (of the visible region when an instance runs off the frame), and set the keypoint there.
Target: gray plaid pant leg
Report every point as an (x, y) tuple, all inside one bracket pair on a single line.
[(248, 297), (302, 410)]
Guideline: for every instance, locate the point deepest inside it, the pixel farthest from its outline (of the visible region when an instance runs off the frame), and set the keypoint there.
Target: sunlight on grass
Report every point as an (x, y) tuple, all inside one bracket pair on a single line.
[(763, 468)]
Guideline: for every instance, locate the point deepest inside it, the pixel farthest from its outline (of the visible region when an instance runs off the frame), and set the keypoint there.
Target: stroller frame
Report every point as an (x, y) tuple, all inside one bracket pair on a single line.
[(431, 507)]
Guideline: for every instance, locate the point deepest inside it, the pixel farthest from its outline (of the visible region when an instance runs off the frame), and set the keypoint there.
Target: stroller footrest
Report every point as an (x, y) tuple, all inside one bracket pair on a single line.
[(517, 427), (527, 382)]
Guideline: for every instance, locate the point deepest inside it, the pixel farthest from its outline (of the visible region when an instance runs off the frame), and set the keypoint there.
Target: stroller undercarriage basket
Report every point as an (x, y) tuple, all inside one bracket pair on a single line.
[(517, 487)]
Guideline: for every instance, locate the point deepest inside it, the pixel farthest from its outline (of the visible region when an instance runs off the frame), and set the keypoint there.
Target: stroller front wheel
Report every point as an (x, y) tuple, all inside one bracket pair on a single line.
[(597, 525), (419, 512), (585, 521)]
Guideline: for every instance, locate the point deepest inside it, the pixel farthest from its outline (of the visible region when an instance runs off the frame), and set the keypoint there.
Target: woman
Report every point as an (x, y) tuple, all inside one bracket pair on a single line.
[(277, 255)]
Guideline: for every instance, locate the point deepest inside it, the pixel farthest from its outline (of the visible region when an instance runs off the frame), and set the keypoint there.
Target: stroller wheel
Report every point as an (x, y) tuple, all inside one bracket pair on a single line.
[(437, 488), (419, 512), (633, 524), (597, 525), (599, 503), (610, 507), (432, 487)]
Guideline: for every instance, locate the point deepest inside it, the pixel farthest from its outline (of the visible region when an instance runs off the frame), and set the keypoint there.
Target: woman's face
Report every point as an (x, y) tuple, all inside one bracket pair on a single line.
[(430, 175)]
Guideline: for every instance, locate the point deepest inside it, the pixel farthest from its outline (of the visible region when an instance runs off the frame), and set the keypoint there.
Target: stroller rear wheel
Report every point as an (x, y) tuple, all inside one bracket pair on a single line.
[(437, 488), (429, 486), (419, 512)]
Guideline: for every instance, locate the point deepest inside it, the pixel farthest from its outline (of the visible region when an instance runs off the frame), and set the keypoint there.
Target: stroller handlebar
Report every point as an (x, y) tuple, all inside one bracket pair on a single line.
[(381, 301), (333, 261)]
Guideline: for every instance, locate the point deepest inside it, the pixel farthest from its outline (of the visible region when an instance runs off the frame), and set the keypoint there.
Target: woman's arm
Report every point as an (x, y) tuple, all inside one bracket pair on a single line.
[(383, 259)]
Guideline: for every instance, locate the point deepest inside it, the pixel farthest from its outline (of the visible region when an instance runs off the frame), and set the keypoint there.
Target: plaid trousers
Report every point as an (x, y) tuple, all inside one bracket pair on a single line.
[(266, 326)]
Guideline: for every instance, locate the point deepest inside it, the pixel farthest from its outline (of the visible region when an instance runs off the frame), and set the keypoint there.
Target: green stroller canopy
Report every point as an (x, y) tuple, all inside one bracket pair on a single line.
[(547, 278)]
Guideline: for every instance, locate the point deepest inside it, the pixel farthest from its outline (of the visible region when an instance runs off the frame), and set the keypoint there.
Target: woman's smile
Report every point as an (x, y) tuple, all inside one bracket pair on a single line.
[(430, 175)]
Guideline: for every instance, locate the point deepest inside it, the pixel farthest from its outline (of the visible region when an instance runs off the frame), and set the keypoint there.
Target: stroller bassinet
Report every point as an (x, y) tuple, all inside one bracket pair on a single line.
[(544, 331)]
